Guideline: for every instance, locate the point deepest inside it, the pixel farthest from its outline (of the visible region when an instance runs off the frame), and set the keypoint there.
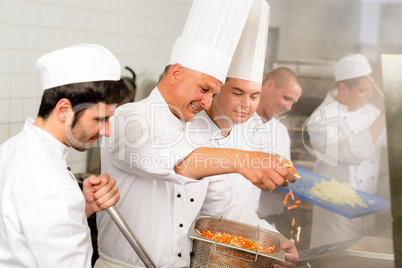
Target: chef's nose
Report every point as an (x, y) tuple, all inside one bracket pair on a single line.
[(288, 106), (105, 129), (245, 101), (206, 101)]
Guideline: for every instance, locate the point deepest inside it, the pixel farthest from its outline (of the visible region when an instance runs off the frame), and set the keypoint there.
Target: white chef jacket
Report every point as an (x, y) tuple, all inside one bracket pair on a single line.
[(158, 204), (42, 209), (344, 149), (269, 137), (242, 187)]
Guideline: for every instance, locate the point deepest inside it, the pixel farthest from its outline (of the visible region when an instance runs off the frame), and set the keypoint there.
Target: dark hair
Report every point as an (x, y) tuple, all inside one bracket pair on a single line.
[(109, 92)]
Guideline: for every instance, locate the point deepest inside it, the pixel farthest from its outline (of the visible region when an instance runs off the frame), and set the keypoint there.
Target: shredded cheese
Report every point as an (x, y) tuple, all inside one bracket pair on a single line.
[(340, 193)]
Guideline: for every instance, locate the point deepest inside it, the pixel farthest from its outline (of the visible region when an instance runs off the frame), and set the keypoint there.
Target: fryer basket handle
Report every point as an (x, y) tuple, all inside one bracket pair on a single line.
[(131, 237)]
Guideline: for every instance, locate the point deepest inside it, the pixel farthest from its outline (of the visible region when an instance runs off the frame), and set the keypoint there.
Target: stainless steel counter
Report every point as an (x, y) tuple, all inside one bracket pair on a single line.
[(367, 252)]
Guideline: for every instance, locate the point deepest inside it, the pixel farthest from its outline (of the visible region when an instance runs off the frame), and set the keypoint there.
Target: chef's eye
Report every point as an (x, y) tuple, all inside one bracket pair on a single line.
[(204, 89)]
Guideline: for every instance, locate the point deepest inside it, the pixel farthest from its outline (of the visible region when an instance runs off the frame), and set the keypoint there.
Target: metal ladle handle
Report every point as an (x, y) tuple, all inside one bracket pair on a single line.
[(130, 236)]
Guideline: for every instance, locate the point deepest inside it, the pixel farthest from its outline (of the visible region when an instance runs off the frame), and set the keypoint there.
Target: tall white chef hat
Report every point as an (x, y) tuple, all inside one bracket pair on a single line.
[(249, 57), (210, 36), (351, 66), (76, 64)]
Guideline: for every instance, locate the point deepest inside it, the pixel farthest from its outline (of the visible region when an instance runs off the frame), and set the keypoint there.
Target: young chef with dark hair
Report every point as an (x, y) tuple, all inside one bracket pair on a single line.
[(43, 212), (149, 139), (347, 133)]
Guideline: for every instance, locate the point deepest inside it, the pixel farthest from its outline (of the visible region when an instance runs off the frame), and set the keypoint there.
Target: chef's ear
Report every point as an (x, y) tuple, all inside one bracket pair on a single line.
[(268, 84), (62, 108), (342, 86), (175, 73)]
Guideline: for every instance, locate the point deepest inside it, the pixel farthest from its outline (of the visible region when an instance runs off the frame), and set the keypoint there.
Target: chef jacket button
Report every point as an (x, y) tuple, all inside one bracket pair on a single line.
[(179, 254), (361, 180), (351, 132), (344, 117), (68, 168), (181, 224), (372, 178), (191, 199), (179, 195), (191, 254)]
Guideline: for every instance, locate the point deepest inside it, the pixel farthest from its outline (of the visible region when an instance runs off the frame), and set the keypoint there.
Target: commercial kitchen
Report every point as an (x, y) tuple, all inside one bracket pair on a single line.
[(307, 36)]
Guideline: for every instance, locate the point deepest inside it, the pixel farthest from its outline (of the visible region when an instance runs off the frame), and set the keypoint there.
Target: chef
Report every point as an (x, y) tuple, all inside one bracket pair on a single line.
[(158, 201), (238, 100), (235, 104), (43, 213), (347, 133), (265, 132)]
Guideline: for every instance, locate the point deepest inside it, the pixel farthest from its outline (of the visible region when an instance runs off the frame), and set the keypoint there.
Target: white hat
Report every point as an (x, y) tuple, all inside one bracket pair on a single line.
[(210, 36), (351, 66), (76, 64), (249, 57)]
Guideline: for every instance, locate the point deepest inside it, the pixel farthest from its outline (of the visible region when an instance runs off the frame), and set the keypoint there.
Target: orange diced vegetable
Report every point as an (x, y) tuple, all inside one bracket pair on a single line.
[(237, 241)]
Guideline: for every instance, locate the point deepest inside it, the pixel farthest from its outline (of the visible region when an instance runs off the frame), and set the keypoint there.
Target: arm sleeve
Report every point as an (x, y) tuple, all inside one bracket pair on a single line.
[(136, 146)]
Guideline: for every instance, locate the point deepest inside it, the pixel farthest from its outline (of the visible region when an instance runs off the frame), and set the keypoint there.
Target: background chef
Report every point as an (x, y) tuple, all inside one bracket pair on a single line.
[(347, 133), (281, 88)]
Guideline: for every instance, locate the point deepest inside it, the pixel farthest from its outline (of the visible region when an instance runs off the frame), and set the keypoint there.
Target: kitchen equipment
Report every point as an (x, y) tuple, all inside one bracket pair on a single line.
[(367, 252), (392, 81), (131, 84), (208, 253), (301, 190), (130, 236)]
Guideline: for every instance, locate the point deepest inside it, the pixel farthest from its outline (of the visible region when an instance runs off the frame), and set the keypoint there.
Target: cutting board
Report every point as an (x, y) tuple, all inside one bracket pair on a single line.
[(300, 191)]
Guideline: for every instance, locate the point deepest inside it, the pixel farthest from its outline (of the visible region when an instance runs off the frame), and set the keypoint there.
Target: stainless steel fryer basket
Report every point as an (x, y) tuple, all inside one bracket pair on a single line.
[(208, 253)]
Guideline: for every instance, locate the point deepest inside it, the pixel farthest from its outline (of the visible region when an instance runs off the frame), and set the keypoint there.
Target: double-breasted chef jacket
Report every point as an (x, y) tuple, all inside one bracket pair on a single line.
[(158, 204), (42, 209), (272, 137), (243, 188), (345, 151)]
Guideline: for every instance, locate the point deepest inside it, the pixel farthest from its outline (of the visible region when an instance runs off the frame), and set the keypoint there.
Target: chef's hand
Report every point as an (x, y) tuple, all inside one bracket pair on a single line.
[(100, 193), (265, 171), (291, 255)]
